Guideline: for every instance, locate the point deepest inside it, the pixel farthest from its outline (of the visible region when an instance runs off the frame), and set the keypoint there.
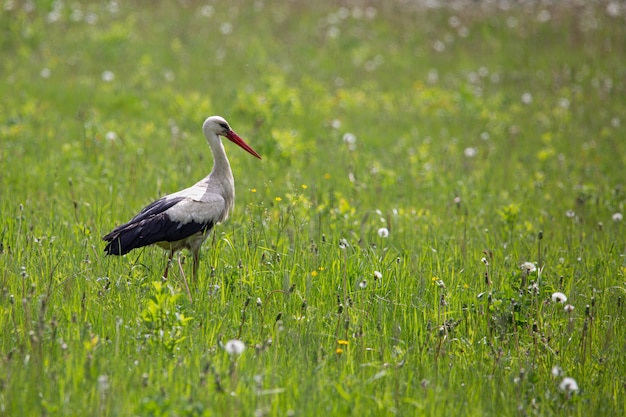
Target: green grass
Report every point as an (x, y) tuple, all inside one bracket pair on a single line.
[(485, 138)]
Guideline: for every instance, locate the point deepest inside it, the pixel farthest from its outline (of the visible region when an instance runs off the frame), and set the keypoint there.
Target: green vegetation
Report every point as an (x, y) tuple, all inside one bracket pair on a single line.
[(435, 227)]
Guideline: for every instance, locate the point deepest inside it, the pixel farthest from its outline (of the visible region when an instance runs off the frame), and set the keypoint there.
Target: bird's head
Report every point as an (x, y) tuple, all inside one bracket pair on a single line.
[(218, 126)]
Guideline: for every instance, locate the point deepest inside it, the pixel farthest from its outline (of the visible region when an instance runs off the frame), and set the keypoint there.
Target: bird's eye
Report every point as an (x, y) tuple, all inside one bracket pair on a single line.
[(224, 126)]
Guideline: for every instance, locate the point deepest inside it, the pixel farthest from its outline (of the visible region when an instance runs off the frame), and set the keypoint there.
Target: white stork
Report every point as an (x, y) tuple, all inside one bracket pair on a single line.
[(184, 219)]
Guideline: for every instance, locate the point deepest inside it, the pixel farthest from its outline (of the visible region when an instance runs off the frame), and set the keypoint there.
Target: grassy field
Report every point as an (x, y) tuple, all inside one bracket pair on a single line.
[(435, 227)]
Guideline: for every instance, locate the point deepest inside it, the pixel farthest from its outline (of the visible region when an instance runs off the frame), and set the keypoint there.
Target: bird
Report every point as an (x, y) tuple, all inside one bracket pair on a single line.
[(184, 219)]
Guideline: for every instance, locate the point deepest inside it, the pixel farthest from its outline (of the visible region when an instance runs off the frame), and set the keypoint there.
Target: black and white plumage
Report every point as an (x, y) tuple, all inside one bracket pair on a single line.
[(184, 219)]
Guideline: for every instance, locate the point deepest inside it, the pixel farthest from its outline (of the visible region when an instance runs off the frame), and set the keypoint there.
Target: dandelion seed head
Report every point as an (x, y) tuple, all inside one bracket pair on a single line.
[(558, 297), (534, 288), (363, 284), (617, 217), (527, 98), (528, 267), (378, 275), (350, 140), (470, 152), (343, 243), (234, 347), (207, 11), (568, 308), (570, 213), (383, 232), (568, 385), (108, 76), (613, 9), (544, 16), (557, 371), (103, 383), (226, 28)]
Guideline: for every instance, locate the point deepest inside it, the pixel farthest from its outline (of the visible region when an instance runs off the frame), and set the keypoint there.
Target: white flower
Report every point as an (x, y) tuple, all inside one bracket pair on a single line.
[(528, 267), (378, 275), (470, 152), (558, 297), (383, 232), (234, 347), (568, 308), (557, 371), (103, 383), (108, 76), (226, 28), (349, 138), (363, 284), (568, 385), (617, 217)]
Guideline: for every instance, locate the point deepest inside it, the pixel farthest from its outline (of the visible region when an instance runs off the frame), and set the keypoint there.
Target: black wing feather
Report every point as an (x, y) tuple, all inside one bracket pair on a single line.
[(150, 226)]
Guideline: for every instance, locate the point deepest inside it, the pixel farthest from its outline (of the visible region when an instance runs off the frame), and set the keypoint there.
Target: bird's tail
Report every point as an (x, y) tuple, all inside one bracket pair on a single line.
[(124, 239)]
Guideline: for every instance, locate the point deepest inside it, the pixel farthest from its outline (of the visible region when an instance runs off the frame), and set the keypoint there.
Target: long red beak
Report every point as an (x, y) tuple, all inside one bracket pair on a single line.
[(236, 139)]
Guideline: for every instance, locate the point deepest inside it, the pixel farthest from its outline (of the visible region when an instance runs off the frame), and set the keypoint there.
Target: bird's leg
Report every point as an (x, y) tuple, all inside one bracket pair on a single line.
[(182, 272), (196, 261), (167, 266)]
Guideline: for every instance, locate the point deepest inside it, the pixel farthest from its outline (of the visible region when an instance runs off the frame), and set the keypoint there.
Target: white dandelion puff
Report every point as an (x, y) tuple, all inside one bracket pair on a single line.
[(378, 275), (108, 76), (527, 98), (557, 371), (103, 383), (470, 152), (568, 385), (617, 217), (383, 232), (528, 267), (558, 297), (349, 138), (226, 28), (234, 347), (45, 73)]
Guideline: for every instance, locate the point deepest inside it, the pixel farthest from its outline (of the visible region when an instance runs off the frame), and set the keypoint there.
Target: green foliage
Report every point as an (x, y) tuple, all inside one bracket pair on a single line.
[(165, 324), (436, 227)]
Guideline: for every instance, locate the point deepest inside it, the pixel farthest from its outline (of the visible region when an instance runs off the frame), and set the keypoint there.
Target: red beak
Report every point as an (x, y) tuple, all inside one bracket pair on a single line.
[(236, 139)]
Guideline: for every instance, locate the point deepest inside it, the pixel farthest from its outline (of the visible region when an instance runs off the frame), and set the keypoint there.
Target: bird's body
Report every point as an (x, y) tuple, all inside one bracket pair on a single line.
[(183, 220)]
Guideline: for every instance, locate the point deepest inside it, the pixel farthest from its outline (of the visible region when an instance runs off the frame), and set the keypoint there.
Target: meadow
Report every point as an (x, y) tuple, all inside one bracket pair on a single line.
[(436, 226)]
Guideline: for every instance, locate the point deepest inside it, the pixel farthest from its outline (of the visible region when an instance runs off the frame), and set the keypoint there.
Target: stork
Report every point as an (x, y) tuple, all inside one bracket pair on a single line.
[(183, 220)]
